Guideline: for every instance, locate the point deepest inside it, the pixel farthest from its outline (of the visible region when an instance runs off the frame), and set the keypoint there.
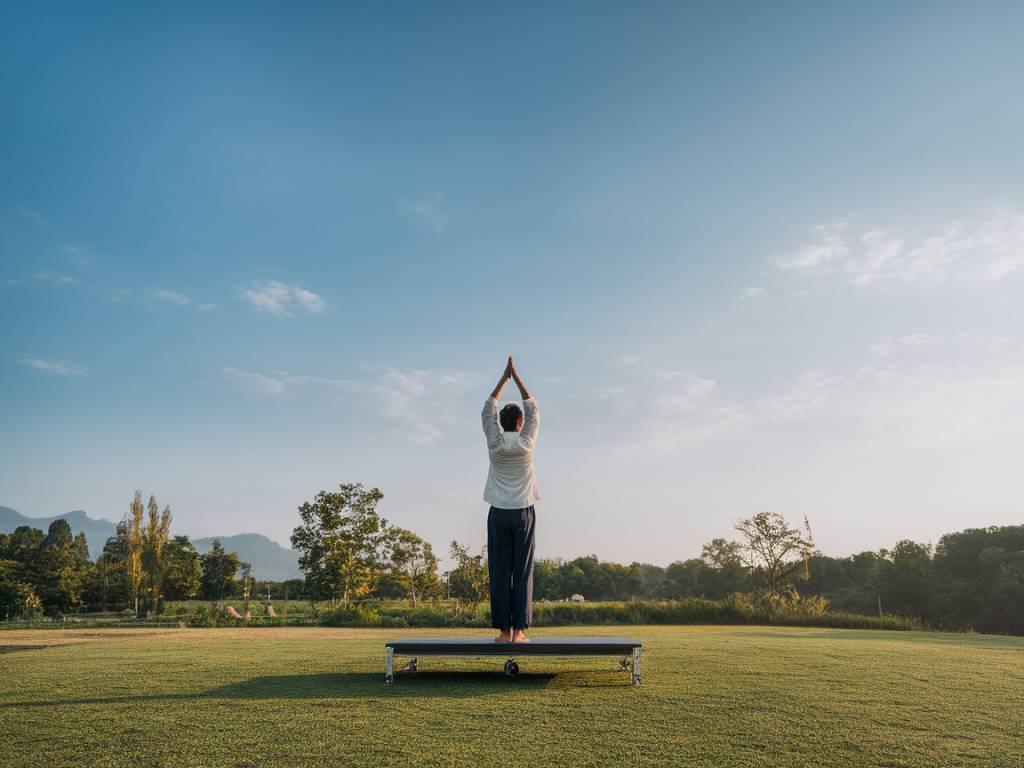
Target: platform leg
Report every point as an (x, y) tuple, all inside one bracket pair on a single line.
[(389, 667), (636, 666)]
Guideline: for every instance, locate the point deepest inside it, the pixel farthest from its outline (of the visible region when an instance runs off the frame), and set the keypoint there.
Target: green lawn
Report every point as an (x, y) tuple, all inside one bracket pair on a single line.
[(722, 696)]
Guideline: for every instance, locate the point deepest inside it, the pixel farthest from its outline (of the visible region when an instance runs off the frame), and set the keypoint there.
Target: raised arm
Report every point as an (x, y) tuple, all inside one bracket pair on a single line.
[(523, 392), (531, 420), (496, 393), (489, 416)]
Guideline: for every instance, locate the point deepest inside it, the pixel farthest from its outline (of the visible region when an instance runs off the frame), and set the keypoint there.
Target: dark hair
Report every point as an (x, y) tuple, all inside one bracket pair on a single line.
[(509, 417)]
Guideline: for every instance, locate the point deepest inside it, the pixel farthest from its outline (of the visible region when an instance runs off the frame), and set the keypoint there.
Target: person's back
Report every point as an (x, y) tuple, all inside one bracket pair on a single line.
[(511, 491), (511, 481)]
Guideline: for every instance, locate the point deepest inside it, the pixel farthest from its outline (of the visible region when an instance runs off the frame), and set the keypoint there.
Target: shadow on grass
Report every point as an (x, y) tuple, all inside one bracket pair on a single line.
[(16, 648), (357, 685), (349, 685)]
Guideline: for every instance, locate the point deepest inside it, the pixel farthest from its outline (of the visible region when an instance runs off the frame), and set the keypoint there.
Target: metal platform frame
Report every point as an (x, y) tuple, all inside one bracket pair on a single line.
[(413, 648)]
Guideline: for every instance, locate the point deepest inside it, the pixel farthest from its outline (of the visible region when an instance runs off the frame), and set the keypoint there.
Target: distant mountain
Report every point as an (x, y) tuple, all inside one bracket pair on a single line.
[(96, 531), (268, 558)]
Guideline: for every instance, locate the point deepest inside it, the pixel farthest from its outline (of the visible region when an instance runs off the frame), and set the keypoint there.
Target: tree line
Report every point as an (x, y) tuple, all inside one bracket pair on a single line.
[(139, 568), (973, 579)]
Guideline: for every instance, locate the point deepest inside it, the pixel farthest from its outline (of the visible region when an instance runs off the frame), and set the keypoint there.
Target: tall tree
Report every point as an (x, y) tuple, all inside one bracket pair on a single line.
[(414, 562), (63, 569), (777, 551), (133, 553), (183, 576), (339, 542), (219, 569), (154, 540), (112, 569)]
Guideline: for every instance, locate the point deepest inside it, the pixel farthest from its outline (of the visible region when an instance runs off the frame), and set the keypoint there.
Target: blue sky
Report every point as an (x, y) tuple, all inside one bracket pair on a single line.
[(748, 258)]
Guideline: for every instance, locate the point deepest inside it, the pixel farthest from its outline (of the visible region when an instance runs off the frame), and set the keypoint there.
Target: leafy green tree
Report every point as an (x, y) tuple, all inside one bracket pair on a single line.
[(979, 580), (685, 578), (218, 573), (468, 580), (339, 541), (413, 563), (183, 577), (111, 575), (23, 548), (905, 578), (547, 582), (62, 569), (15, 594), (728, 573)]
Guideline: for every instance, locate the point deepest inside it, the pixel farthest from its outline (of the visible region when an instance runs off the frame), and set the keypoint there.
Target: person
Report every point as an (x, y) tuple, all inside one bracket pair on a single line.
[(511, 491)]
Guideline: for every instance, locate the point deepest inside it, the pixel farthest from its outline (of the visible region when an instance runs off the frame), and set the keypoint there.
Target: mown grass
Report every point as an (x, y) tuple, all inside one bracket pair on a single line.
[(722, 696)]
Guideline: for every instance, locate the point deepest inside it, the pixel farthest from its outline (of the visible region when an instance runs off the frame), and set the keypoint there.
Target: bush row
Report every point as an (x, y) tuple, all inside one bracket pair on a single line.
[(736, 609)]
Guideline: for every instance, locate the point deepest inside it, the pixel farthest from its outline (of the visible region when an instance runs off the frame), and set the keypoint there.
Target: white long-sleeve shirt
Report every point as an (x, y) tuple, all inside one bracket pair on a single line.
[(511, 483)]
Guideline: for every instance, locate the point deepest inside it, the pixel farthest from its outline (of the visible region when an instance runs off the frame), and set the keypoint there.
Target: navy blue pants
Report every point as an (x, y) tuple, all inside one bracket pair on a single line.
[(510, 566)]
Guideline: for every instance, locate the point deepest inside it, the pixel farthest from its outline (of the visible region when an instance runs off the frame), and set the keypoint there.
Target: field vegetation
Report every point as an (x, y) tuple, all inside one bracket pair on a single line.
[(711, 696)]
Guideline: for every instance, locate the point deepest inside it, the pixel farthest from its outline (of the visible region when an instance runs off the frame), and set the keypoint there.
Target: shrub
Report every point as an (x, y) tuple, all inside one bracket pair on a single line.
[(352, 616)]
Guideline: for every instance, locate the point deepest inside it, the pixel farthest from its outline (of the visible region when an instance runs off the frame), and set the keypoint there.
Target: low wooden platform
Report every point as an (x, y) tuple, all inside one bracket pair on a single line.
[(626, 648)]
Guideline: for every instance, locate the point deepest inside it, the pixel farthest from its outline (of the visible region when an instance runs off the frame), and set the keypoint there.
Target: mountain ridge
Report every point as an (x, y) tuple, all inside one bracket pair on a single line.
[(269, 559)]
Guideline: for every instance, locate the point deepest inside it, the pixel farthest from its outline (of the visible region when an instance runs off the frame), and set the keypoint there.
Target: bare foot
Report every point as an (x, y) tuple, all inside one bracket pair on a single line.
[(504, 637), (520, 637)]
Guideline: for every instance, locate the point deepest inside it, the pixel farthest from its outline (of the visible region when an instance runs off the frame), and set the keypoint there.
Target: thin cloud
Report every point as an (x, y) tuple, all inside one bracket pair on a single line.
[(206, 307), (887, 345), (282, 299), (941, 389), (829, 249), (285, 383), (33, 216), (988, 248), (751, 292), (80, 254), (170, 297), (50, 276), (426, 213), (58, 367), (425, 405), (256, 382)]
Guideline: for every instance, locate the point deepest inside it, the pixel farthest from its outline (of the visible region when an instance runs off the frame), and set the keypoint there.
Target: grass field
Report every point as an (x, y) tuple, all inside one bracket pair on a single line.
[(722, 696)]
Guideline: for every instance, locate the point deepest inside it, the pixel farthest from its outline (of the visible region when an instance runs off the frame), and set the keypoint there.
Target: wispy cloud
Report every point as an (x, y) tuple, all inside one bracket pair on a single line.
[(59, 367), (989, 247), (257, 382), (282, 299), (33, 216), (170, 297), (887, 345), (425, 213), (208, 307), (821, 255), (751, 292), (916, 389), (55, 277), (80, 254), (285, 383), (424, 404)]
